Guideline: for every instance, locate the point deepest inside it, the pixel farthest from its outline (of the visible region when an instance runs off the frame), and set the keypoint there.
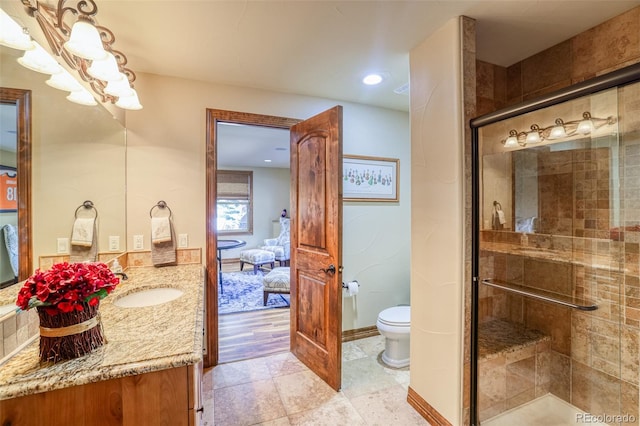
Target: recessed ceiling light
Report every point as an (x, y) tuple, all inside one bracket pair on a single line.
[(267, 161), (372, 79)]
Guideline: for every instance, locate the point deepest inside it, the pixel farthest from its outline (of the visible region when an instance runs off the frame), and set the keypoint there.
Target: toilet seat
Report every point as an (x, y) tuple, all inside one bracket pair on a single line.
[(397, 316)]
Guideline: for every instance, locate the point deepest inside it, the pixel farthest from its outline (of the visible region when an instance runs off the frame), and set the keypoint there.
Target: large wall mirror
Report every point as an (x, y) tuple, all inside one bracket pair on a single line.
[(77, 154)]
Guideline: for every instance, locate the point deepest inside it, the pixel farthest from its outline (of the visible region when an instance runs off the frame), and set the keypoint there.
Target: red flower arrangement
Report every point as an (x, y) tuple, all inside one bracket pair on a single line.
[(67, 287)]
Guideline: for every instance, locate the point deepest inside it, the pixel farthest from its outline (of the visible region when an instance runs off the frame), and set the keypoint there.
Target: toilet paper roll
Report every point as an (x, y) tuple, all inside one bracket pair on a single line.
[(352, 288)]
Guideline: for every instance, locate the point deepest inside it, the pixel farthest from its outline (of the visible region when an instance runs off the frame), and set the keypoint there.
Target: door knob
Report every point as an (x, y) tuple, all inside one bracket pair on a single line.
[(330, 270)]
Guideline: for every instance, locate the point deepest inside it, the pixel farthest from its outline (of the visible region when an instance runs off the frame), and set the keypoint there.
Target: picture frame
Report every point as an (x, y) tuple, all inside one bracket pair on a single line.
[(367, 178), (8, 189)]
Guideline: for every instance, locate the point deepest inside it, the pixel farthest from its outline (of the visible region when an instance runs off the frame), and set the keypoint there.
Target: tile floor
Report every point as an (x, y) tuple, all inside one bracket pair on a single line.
[(280, 390)]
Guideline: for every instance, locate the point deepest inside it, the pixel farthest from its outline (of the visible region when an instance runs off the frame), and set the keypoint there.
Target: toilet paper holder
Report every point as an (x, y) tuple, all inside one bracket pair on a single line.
[(344, 285)]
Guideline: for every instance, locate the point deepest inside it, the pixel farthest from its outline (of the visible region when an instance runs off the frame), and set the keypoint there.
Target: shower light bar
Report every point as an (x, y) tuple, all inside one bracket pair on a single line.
[(559, 130)]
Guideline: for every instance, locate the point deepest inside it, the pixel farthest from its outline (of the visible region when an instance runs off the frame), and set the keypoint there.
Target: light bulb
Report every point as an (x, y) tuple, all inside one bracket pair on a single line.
[(40, 60), (512, 140), (533, 136), (82, 97), (129, 102), (85, 41), (119, 88), (586, 125), (558, 131), (12, 35), (105, 69), (64, 81)]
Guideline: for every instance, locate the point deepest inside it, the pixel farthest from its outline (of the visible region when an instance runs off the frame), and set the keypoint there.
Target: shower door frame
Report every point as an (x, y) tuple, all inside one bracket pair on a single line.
[(621, 77)]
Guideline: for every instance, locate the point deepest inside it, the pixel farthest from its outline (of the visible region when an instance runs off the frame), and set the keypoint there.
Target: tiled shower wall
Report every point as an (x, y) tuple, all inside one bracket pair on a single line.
[(611, 45)]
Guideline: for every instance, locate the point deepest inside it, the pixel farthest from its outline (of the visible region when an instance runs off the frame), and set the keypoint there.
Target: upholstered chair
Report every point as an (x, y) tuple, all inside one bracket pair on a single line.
[(281, 246)]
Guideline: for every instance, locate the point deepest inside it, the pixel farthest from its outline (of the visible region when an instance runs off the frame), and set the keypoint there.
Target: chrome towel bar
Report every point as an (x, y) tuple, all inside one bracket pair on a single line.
[(541, 295)]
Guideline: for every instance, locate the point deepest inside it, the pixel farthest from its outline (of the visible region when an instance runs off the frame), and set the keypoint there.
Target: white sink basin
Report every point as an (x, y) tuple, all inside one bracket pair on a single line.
[(148, 297)]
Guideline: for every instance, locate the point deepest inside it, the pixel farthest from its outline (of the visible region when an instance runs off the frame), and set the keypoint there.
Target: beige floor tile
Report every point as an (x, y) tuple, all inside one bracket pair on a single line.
[(362, 376), (351, 351), (282, 421), (235, 373), (302, 391), (372, 346), (248, 404), (337, 411), (283, 364), (387, 407)]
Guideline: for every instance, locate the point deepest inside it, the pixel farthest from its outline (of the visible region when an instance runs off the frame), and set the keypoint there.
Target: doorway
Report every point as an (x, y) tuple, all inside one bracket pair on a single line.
[(214, 118), (253, 195)]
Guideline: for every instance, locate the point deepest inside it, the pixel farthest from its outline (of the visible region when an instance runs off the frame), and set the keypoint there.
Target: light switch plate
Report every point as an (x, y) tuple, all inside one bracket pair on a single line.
[(114, 243), (183, 240), (138, 242), (63, 245)]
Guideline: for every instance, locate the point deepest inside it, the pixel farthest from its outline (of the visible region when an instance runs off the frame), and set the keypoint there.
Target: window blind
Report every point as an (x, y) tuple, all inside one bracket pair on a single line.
[(233, 184)]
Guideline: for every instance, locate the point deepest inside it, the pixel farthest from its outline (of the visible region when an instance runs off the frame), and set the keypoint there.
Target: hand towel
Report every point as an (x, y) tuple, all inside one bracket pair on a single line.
[(501, 217), (160, 230), (84, 252), (163, 253), (82, 233)]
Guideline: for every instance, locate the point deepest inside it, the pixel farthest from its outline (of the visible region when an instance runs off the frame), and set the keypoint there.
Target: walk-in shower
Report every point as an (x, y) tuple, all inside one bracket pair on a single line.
[(556, 291)]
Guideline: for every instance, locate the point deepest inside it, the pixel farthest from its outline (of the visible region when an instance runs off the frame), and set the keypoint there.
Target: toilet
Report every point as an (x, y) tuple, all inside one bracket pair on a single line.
[(393, 323)]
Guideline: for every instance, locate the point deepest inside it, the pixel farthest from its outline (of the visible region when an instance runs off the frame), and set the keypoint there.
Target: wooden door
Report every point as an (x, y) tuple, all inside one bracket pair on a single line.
[(316, 246)]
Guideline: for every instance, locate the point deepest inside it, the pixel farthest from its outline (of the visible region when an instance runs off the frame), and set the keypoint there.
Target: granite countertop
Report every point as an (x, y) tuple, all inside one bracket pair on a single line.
[(139, 340), (598, 261)]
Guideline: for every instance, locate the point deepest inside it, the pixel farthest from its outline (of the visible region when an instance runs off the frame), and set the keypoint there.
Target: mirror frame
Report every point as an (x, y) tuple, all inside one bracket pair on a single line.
[(22, 100)]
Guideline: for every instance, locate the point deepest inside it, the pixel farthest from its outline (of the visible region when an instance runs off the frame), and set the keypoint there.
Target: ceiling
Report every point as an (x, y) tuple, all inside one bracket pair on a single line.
[(324, 48)]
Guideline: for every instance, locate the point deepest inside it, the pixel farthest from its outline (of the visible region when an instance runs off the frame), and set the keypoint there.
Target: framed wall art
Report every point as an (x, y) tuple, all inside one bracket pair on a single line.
[(8, 189), (370, 178)]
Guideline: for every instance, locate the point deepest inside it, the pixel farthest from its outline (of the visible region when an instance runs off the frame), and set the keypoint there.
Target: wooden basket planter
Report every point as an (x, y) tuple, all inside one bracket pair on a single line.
[(69, 335)]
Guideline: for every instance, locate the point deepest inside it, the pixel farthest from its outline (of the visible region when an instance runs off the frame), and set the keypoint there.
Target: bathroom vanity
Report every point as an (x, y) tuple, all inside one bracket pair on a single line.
[(148, 372)]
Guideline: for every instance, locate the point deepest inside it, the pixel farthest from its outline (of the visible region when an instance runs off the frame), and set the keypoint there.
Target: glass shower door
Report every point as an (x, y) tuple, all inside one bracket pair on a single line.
[(559, 237)]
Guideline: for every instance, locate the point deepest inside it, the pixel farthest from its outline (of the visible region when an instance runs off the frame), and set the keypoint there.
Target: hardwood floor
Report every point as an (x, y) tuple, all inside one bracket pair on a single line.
[(254, 334), (246, 335)]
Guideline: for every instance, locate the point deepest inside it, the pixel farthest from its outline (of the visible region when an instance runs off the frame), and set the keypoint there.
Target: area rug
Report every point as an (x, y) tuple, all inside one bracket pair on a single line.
[(243, 293)]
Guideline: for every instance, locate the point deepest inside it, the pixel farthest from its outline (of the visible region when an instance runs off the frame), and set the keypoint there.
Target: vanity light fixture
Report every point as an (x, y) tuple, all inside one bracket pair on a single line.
[(559, 130), (86, 47)]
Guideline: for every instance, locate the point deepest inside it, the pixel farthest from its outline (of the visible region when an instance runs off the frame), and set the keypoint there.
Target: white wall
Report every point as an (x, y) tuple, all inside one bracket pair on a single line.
[(166, 160), (437, 222)]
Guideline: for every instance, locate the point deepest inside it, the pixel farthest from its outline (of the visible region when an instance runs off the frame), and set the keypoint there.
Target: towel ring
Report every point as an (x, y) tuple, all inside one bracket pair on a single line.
[(161, 205), (88, 204), (497, 205)]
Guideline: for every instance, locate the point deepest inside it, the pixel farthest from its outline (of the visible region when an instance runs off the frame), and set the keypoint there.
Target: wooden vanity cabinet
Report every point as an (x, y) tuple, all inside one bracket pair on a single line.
[(165, 397)]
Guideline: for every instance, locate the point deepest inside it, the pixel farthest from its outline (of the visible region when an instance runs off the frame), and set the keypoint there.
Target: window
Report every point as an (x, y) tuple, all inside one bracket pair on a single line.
[(234, 202)]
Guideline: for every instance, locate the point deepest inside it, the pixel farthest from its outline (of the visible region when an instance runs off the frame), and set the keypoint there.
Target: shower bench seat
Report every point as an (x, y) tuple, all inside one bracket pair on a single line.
[(513, 366)]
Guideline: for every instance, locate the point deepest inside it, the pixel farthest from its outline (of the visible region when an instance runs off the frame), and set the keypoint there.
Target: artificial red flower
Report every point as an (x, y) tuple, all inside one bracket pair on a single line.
[(67, 286)]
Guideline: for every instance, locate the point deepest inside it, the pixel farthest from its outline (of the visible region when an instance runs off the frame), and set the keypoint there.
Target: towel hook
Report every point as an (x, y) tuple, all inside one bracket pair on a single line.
[(497, 205), (88, 204), (161, 205)]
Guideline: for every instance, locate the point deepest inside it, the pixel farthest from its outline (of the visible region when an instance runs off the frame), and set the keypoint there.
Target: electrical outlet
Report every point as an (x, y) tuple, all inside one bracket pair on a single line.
[(114, 243), (63, 245), (138, 242), (183, 240)]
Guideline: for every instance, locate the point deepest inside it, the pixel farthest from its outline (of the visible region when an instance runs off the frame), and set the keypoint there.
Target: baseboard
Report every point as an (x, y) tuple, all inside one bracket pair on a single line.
[(425, 410), (359, 333)]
